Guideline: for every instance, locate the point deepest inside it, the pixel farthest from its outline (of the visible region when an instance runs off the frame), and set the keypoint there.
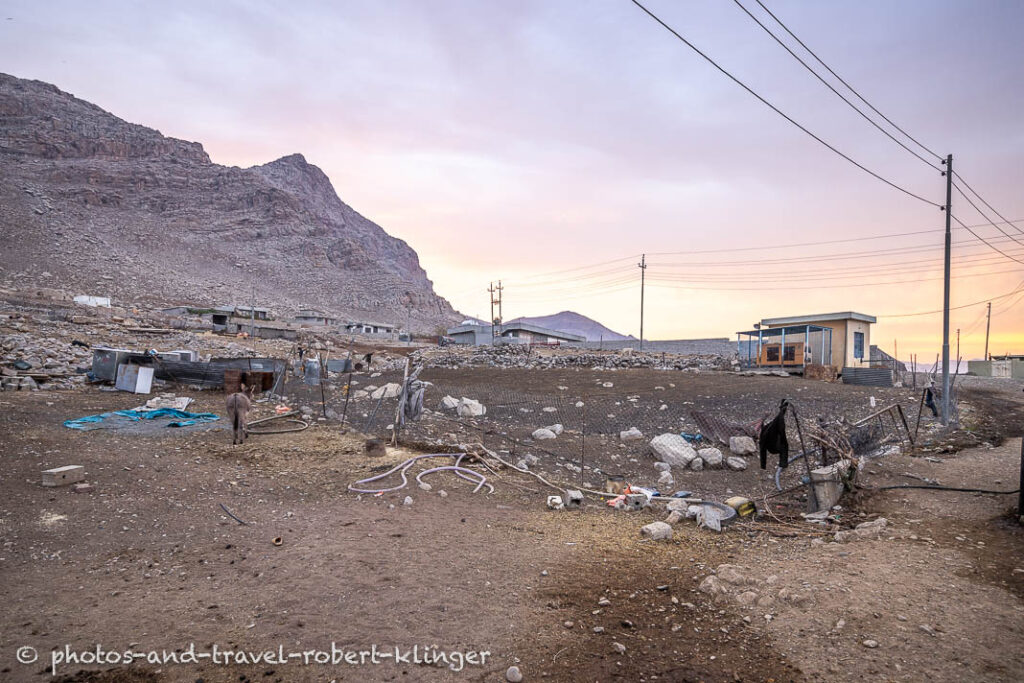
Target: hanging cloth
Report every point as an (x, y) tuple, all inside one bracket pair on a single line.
[(773, 438)]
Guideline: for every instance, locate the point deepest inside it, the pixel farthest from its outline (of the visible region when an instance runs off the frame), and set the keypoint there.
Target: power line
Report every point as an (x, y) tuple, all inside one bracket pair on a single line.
[(1016, 290), (984, 215), (992, 246), (821, 286), (779, 111), (840, 79), (973, 191), (830, 87)]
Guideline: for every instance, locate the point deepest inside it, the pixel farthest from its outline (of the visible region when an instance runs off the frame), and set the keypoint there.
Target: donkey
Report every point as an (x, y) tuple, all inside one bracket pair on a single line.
[(239, 404)]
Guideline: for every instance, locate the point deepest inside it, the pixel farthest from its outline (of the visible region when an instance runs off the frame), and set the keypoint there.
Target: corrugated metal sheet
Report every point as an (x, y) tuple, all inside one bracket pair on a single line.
[(871, 377)]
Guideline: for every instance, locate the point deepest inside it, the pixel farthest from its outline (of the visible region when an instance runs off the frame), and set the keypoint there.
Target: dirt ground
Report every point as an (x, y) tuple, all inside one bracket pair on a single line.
[(149, 560)]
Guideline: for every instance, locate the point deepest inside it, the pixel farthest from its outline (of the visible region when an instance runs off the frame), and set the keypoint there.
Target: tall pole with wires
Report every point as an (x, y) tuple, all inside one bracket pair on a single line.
[(945, 292), (988, 326), (643, 271)]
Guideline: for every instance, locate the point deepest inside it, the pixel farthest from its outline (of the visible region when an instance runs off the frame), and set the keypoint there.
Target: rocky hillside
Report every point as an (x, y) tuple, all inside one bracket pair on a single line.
[(574, 323), (94, 205)]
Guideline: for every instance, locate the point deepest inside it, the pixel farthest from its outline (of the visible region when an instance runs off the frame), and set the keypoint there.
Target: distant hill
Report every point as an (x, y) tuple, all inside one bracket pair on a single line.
[(574, 323)]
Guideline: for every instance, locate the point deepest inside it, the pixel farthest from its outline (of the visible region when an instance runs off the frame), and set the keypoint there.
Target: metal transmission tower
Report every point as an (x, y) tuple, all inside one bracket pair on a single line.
[(495, 321)]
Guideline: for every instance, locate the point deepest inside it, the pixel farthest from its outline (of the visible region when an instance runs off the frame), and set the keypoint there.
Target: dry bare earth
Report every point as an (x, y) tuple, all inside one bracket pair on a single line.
[(150, 558)]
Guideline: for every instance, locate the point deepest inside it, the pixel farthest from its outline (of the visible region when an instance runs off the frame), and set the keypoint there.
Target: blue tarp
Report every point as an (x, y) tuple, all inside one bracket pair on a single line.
[(182, 418)]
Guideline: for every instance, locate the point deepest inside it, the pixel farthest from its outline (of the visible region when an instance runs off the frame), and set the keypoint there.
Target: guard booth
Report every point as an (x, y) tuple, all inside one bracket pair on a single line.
[(792, 347)]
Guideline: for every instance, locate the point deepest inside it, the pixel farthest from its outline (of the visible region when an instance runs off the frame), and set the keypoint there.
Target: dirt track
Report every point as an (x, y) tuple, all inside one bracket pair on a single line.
[(149, 560)]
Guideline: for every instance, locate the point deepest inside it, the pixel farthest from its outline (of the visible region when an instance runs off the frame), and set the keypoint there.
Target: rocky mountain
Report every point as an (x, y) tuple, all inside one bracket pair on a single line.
[(574, 323), (95, 205)]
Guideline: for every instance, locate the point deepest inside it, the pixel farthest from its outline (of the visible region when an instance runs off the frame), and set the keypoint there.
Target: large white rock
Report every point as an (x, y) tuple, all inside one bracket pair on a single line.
[(697, 464), (657, 531), (742, 445), (737, 464), (712, 457), (449, 403), (543, 434), (631, 434), (469, 408), (673, 449), (557, 429), (389, 390), (666, 479), (662, 466)]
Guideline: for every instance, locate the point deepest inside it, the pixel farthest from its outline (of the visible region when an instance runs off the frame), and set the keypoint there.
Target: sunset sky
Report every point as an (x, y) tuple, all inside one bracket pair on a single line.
[(549, 143)]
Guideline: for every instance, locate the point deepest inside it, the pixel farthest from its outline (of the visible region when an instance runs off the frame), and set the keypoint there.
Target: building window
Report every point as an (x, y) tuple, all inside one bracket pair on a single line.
[(858, 345), (772, 354), (789, 353)]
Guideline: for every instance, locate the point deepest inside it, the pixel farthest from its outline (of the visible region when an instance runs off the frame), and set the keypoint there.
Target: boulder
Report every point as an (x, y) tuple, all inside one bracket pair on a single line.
[(696, 464), (666, 479), (673, 449), (737, 464), (657, 531), (449, 403), (469, 408), (712, 457), (557, 429), (389, 390), (543, 434), (662, 466), (742, 445), (631, 434)]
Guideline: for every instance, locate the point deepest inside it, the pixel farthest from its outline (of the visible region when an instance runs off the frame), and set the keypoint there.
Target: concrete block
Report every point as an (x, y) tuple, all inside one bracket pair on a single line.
[(573, 499), (62, 476)]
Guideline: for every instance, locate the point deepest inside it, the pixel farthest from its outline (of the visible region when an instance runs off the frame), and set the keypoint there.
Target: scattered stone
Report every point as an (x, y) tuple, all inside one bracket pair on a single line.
[(742, 445), (513, 675), (390, 390), (696, 464), (662, 466), (425, 486), (469, 408), (604, 602), (674, 450), (408, 501), (556, 429), (657, 531), (599, 629), (712, 457), (666, 479), (449, 403), (631, 434), (736, 464), (619, 648), (870, 643), (543, 434)]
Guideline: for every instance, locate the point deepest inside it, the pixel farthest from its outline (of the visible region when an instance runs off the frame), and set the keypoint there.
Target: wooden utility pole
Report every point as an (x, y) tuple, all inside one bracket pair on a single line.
[(945, 292), (643, 272), (988, 325)]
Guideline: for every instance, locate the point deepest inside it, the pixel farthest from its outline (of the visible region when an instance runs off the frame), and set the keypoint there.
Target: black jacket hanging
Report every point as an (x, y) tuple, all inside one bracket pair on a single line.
[(773, 438)]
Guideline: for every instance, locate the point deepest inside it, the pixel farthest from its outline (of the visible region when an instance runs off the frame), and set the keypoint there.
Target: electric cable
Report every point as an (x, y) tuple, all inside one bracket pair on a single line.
[(779, 111)]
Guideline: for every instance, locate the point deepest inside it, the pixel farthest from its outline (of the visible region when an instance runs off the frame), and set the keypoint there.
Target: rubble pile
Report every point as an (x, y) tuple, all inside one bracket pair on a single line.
[(52, 349), (518, 356)]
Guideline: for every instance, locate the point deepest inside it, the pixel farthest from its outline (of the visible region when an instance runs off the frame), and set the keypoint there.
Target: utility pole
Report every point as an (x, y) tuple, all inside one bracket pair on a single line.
[(945, 292), (643, 272), (988, 325), (495, 321)]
